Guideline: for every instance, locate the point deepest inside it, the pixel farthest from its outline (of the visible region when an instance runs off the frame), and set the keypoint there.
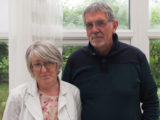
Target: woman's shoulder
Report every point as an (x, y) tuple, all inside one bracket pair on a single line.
[(69, 87), (21, 89)]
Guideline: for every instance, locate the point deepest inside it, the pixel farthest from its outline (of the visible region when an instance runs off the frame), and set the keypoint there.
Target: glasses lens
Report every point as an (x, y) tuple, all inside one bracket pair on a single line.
[(37, 66)]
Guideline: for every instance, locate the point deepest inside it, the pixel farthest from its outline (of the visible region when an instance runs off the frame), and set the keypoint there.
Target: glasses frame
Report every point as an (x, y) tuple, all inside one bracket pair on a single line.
[(98, 24), (38, 66)]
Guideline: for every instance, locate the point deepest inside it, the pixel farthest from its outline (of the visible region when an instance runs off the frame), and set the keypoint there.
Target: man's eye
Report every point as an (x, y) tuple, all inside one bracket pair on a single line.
[(100, 23), (89, 25)]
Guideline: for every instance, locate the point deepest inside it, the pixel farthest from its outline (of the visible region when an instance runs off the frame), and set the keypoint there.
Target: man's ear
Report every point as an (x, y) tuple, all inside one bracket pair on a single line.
[(115, 25)]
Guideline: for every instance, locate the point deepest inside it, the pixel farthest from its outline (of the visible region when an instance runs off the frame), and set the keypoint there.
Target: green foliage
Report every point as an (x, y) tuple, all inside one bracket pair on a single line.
[(67, 51), (72, 16), (3, 97), (3, 49), (3, 61), (155, 19), (122, 15), (155, 60), (4, 69)]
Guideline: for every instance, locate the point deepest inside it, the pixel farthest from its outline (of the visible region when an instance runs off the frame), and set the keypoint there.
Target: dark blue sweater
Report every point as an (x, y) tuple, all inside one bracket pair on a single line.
[(113, 86)]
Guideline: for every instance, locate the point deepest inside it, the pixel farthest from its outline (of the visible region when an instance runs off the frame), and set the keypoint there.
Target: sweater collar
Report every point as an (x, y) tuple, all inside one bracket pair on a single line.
[(112, 50)]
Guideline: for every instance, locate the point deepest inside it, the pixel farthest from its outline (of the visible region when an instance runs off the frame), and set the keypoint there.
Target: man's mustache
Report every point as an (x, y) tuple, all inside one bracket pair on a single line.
[(94, 35)]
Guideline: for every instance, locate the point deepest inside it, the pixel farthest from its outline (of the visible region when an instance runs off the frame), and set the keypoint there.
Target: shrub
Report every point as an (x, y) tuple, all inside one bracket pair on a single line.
[(155, 60), (67, 51), (3, 61)]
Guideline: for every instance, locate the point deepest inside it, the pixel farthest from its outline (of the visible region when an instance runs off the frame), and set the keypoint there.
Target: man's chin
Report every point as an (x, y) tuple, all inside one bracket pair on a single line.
[(97, 44)]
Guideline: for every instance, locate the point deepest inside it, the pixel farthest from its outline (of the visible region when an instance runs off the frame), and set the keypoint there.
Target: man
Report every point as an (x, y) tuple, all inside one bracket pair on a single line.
[(113, 77)]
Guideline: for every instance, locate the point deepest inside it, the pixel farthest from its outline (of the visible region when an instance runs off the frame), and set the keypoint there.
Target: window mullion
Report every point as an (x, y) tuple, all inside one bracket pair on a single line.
[(139, 22)]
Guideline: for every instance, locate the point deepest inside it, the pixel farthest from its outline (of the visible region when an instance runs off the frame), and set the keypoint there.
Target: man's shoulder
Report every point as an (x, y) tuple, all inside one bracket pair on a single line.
[(79, 52), (131, 52), (130, 48)]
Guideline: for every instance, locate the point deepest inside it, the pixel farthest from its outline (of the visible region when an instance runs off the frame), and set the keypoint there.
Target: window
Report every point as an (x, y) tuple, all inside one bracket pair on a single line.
[(73, 11), (154, 14)]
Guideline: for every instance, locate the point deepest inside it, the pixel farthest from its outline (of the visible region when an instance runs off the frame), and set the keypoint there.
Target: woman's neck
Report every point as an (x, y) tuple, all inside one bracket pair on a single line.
[(50, 89)]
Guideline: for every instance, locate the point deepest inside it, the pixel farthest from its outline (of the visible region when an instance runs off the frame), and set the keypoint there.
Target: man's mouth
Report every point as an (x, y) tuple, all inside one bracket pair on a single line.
[(96, 37)]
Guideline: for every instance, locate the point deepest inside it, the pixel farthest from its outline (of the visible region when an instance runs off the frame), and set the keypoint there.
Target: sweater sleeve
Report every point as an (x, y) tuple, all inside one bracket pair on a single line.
[(148, 93)]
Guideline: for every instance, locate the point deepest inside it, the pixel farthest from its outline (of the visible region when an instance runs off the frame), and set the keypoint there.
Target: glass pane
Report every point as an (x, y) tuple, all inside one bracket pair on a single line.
[(154, 14), (3, 75), (73, 10), (155, 62)]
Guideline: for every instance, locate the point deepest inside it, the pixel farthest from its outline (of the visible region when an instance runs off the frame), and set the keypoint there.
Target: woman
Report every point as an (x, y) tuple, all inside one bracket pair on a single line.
[(46, 97)]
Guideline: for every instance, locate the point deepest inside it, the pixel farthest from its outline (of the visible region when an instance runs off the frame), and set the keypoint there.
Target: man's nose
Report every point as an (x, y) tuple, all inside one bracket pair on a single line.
[(95, 28)]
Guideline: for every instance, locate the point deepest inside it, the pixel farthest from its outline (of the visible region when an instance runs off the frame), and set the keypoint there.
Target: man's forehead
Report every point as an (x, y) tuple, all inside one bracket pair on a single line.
[(94, 15), (95, 12)]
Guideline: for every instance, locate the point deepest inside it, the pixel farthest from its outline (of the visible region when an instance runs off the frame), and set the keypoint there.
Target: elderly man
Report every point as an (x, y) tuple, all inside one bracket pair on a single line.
[(113, 77)]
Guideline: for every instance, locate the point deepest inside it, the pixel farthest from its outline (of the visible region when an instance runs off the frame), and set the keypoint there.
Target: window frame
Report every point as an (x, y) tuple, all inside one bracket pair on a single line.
[(3, 35)]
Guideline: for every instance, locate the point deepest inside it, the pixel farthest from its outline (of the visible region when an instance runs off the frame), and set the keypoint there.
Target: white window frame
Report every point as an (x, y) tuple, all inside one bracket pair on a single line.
[(139, 33), (3, 35)]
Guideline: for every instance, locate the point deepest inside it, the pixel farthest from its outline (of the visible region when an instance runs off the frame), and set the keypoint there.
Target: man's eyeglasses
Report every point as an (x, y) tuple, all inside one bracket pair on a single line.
[(98, 24), (38, 66)]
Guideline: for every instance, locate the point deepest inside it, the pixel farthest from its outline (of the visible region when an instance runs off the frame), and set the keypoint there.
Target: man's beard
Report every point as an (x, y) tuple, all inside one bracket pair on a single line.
[(97, 43)]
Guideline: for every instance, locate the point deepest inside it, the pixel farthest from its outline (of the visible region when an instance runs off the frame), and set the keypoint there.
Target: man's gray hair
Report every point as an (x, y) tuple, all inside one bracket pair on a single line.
[(45, 50), (100, 6)]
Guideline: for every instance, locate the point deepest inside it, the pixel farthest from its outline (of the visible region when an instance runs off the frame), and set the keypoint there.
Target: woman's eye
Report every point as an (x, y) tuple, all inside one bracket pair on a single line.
[(37, 64)]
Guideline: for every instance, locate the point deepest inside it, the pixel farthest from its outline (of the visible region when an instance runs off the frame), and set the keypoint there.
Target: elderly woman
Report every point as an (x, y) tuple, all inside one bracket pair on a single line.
[(46, 97)]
